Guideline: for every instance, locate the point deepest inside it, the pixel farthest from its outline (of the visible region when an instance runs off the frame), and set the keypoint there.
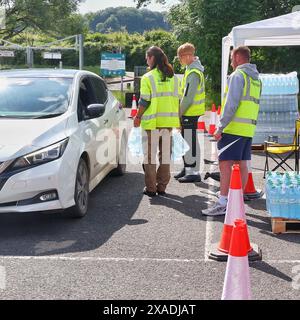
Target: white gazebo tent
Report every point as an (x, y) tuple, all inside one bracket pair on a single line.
[(279, 31)]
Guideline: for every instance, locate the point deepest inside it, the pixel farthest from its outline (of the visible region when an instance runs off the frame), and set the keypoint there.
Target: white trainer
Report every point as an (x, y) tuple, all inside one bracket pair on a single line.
[(216, 210)]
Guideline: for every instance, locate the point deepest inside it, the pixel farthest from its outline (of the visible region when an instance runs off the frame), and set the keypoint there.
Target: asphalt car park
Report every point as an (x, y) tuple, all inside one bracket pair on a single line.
[(131, 247)]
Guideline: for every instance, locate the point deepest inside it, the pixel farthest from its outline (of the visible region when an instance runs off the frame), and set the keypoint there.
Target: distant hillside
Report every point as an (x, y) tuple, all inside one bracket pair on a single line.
[(131, 19)]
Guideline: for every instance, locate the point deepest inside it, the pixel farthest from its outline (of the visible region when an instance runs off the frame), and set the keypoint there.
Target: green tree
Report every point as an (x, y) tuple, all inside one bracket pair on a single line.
[(48, 16), (274, 8), (143, 3), (134, 20), (100, 27), (205, 23), (112, 23)]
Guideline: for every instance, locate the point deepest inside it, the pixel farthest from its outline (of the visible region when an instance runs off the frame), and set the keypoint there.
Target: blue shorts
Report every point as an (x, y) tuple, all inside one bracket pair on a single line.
[(232, 147)]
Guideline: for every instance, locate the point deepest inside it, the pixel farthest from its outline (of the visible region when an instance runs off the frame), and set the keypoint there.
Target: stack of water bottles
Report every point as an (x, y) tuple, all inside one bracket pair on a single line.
[(278, 107), (283, 194)]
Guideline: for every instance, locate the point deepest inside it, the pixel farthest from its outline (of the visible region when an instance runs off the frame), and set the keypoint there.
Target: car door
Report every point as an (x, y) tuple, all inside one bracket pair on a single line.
[(90, 128), (108, 122)]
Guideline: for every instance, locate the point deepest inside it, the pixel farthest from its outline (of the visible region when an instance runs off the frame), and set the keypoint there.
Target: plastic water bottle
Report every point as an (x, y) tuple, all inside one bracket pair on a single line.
[(297, 204), (275, 193), (269, 80), (265, 86), (284, 85), (273, 119), (287, 178), (267, 187), (135, 145), (283, 200), (294, 83), (269, 194), (293, 103), (292, 202), (263, 118)]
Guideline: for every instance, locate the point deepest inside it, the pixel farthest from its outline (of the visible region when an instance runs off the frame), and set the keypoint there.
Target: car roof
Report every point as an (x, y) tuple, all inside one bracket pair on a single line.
[(39, 73)]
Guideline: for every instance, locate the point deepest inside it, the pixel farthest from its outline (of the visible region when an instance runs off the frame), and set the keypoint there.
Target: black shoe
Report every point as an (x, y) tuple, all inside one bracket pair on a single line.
[(190, 178), (180, 174), (214, 175), (161, 193), (148, 193), (206, 161)]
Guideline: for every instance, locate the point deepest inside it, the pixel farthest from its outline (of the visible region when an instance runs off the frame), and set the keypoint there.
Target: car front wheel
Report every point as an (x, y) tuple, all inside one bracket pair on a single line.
[(81, 194)]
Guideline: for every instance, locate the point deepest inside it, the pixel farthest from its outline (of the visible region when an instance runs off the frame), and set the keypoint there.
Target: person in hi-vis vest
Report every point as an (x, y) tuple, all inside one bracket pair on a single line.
[(237, 124), (192, 106), (158, 114)]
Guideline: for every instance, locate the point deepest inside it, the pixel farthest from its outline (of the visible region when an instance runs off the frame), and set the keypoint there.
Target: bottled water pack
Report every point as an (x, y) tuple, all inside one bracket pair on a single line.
[(283, 194), (279, 84), (278, 107)]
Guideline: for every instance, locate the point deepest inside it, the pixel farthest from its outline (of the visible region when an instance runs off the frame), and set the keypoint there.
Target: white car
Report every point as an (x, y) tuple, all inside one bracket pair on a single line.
[(61, 133)]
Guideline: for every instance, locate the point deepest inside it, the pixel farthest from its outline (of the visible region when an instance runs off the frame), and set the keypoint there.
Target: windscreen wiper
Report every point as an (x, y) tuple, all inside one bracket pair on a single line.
[(50, 115)]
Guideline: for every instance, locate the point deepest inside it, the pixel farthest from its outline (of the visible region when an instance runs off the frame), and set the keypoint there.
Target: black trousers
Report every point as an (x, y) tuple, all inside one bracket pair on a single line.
[(189, 132)]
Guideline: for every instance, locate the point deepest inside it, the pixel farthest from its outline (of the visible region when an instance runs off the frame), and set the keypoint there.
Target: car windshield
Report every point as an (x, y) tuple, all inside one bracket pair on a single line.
[(34, 98)]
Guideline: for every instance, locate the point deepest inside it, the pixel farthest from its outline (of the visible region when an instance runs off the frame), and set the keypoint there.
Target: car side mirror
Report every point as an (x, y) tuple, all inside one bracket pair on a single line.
[(95, 110)]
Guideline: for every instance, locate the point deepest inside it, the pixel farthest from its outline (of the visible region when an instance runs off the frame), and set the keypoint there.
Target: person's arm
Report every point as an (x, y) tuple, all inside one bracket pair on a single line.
[(190, 90), (138, 117), (234, 95), (144, 102)]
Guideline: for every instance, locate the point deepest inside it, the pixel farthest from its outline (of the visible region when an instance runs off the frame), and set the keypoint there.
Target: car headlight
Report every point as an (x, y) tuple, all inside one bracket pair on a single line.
[(41, 156)]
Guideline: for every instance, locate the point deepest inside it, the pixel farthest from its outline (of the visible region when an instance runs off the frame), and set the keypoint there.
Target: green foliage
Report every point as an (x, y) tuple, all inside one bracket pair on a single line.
[(202, 22), (274, 8), (120, 96), (206, 22), (133, 45), (126, 18), (142, 3), (50, 16)]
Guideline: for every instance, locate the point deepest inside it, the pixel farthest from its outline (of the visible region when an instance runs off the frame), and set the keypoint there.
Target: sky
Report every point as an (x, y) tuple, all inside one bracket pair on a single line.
[(95, 5)]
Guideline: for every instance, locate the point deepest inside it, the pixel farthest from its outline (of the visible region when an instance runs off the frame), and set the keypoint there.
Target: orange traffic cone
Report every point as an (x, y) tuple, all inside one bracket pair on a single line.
[(133, 107), (213, 118), (201, 125), (237, 276), (235, 209), (250, 192)]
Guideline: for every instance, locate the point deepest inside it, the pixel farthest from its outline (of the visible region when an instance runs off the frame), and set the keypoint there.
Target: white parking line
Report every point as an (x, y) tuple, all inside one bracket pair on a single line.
[(209, 221), (118, 259), (208, 237), (2, 278), (282, 261), (95, 259)]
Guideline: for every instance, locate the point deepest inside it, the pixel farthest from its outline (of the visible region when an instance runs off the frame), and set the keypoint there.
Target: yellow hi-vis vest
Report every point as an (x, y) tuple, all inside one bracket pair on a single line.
[(198, 106), (163, 111), (245, 118)]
